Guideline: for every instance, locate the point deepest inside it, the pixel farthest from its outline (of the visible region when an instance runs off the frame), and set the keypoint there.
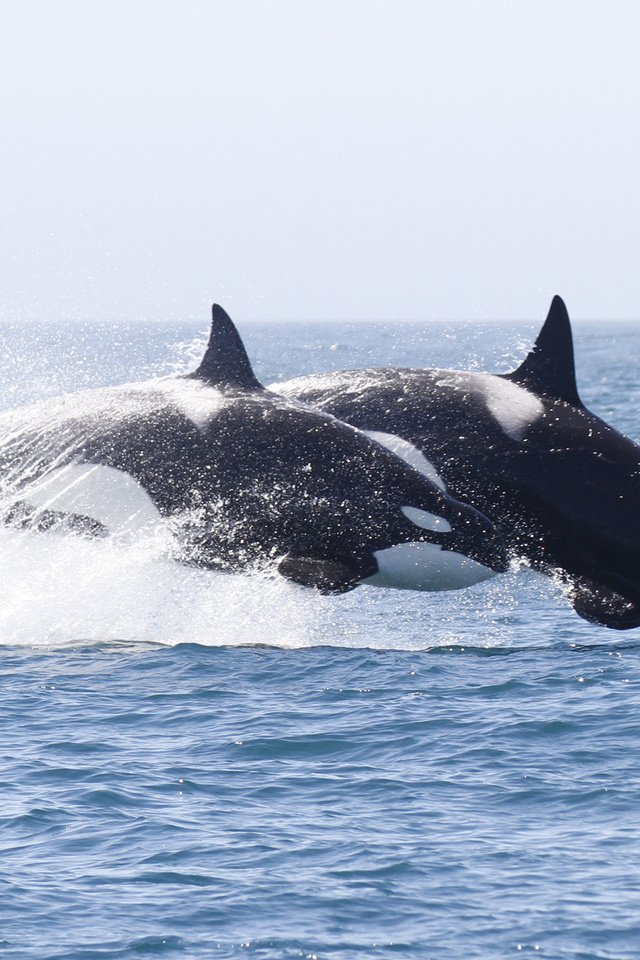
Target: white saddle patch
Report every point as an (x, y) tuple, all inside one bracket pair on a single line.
[(514, 407), (105, 494), (410, 454), (426, 566), (198, 401)]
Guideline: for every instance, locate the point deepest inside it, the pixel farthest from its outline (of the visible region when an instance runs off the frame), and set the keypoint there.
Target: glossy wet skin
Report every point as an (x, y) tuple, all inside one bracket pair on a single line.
[(561, 485), (249, 478), (324, 491), (592, 491), (267, 479)]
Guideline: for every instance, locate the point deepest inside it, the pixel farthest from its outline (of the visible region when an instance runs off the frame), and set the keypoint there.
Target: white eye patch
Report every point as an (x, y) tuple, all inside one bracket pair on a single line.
[(427, 521)]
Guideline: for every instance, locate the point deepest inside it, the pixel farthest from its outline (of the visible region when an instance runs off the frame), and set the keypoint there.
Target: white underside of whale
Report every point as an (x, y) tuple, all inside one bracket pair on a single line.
[(111, 497), (427, 567)]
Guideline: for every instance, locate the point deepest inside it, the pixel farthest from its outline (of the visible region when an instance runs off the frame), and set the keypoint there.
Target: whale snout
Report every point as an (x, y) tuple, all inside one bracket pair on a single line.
[(603, 577), (446, 553), (425, 552)]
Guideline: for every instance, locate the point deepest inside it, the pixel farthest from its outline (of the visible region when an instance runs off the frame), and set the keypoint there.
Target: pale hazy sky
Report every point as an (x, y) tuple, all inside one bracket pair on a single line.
[(319, 158)]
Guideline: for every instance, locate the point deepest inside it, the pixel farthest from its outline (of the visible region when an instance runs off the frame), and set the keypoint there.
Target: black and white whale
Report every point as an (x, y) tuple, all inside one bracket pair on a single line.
[(562, 486), (243, 477)]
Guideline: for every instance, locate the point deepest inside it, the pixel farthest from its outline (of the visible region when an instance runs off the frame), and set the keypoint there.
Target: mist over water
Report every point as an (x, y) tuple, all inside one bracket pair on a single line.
[(199, 764)]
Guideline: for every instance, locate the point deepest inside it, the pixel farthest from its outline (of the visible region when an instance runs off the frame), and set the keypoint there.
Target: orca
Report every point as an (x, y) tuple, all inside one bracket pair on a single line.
[(243, 477), (561, 485)]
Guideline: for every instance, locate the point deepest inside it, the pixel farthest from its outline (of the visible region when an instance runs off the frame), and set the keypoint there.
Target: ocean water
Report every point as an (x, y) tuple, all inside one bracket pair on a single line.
[(199, 765)]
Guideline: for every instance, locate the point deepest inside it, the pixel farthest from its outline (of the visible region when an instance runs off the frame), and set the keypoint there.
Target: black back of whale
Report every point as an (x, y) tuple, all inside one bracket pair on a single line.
[(260, 478), (565, 494)]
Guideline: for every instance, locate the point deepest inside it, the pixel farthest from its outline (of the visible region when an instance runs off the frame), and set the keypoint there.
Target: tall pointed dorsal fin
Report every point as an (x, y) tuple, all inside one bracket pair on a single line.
[(550, 368), (225, 362)]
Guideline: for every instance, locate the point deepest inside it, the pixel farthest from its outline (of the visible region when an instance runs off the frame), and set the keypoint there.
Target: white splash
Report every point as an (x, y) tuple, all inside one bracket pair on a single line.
[(66, 590)]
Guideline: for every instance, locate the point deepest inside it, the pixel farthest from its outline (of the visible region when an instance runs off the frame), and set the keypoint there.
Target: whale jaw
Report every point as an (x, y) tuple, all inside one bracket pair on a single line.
[(404, 566), (413, 565), (327, 576)]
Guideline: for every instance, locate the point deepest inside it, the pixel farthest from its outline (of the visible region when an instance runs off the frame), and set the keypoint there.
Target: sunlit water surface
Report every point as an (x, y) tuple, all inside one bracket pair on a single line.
[(197, 765)]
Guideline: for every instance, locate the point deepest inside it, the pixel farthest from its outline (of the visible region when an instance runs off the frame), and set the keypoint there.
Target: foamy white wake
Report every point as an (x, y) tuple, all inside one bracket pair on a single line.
[(60, 589)]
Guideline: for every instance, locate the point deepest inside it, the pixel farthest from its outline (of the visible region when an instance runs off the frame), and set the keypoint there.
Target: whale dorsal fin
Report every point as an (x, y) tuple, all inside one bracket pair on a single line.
[(550, 368), (225, 363)]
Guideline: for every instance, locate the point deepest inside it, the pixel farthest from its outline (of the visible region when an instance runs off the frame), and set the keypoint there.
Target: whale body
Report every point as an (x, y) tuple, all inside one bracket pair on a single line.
[(562, 486), (242, 477)]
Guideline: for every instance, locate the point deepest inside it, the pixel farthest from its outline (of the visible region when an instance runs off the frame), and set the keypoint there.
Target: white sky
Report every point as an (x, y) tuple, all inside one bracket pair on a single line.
[(319, 158)]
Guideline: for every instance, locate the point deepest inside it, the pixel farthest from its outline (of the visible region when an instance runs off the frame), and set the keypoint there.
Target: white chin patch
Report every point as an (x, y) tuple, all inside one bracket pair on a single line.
[(426, 566), (410, 454), (105, 494)]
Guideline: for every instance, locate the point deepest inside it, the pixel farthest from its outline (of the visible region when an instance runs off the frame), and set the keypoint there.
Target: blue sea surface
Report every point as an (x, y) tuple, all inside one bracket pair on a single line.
[(201, 765)]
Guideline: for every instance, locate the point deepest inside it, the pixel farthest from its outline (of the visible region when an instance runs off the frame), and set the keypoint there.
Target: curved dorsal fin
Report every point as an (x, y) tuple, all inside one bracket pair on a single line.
[(549, 368), (225, 362)]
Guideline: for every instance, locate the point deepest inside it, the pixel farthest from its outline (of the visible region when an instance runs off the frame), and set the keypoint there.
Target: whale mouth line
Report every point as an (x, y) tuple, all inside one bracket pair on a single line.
[(427, 566), (429, 562)]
